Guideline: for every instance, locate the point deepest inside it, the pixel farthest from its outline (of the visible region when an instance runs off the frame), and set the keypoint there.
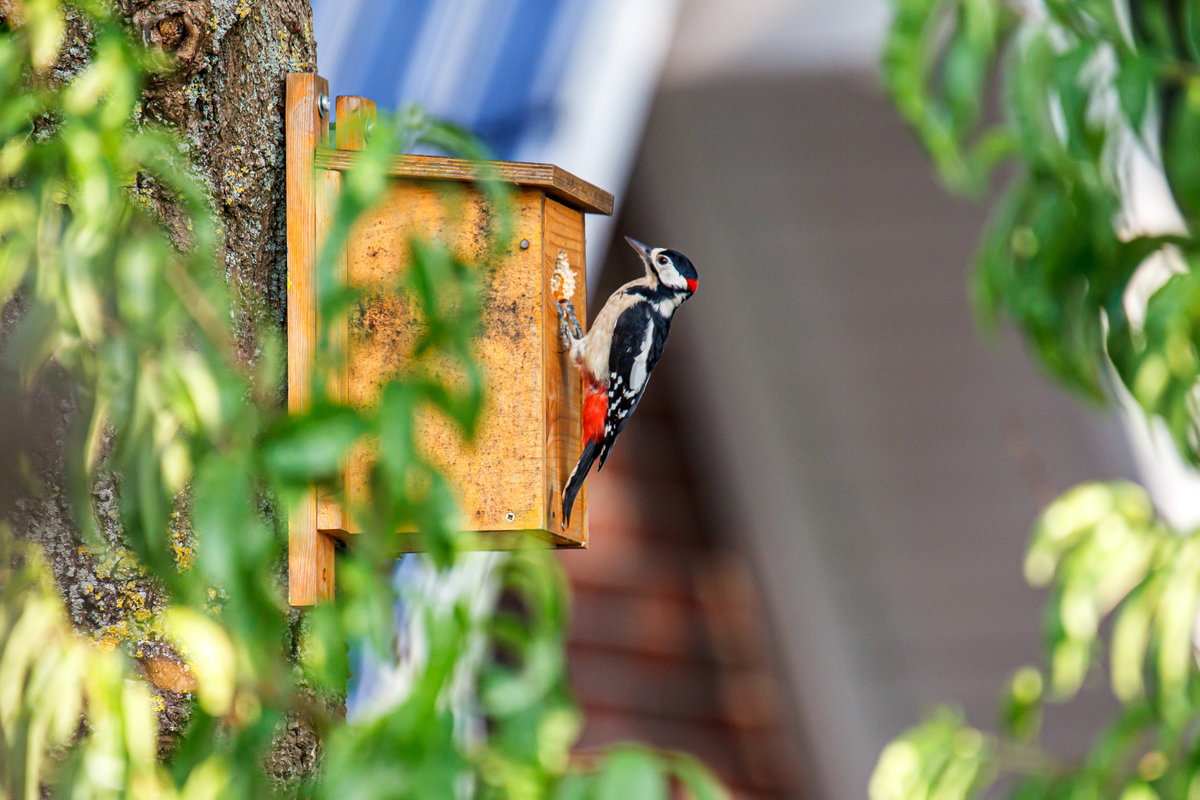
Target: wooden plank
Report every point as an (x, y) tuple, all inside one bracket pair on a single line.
[(331, 515), (556, 182), (310, 554), (354, 116), (562, 387), (499, 477)]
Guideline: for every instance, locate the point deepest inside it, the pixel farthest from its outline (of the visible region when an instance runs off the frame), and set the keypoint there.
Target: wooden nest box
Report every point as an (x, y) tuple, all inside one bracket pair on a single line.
[(510, 480)]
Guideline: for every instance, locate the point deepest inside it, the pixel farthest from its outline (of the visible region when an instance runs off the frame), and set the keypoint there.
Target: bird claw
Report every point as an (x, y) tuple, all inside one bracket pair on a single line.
[(569, 329)]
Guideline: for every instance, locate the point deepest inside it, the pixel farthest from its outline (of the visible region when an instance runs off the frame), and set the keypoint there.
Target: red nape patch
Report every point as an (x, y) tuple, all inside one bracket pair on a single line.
[(595, 408), (692, 284)]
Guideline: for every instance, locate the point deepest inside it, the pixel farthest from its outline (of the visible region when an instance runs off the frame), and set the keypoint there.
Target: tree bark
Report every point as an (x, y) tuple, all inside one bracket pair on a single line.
[(226, 99)]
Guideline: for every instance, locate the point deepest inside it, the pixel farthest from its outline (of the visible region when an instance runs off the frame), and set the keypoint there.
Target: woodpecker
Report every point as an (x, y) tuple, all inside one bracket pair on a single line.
[(618, 354)]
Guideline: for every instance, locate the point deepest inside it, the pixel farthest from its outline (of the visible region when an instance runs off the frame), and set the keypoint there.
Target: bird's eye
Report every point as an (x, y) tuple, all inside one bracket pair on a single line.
[(663, 260)]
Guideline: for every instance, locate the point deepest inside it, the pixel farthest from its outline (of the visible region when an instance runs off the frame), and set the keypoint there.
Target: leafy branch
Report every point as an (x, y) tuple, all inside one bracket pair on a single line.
[(1097, 116)]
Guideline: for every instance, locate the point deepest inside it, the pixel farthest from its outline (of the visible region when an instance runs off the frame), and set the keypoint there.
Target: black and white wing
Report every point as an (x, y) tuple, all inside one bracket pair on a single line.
[(637, 342)]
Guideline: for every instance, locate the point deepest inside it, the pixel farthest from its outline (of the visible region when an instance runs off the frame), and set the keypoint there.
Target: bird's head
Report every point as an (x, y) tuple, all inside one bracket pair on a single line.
[(670, 268)]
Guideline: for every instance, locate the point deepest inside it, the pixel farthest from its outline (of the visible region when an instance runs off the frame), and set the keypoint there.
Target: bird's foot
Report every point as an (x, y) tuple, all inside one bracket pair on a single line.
[(569, 329)]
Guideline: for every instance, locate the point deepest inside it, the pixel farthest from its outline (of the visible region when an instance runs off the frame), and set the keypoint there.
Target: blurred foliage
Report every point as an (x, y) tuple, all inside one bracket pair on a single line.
[(1115, 571), (1087, 93), (1090, 110), (141, 327)]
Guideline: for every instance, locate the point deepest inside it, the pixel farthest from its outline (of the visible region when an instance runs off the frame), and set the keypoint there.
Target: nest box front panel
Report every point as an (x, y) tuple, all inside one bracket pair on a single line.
[(509, 477)]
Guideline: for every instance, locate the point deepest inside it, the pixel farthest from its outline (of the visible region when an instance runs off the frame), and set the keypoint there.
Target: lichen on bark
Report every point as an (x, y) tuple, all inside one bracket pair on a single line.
[(226, 99)]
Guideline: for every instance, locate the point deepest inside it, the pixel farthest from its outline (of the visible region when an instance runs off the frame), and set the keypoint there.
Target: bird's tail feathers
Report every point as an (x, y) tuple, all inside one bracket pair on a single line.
[(603, 458), (574, 483)]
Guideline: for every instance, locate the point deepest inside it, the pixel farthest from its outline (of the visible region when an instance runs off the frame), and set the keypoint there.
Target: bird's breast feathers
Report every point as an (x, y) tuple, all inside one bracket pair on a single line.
[(592, 352)]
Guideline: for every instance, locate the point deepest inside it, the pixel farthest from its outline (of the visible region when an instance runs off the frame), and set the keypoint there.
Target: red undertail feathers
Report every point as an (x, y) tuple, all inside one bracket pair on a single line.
[(595, 410)]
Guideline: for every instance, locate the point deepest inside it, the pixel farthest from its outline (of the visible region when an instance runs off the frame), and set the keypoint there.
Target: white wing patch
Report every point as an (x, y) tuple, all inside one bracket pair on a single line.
[(639, 373)]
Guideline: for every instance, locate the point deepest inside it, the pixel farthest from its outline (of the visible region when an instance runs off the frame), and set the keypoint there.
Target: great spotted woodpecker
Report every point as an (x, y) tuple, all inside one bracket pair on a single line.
[(618, 354)]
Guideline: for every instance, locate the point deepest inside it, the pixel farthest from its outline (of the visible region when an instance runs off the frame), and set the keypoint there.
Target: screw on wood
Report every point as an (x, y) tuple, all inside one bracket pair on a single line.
[(323, 105), (524, 244), (509, 517)]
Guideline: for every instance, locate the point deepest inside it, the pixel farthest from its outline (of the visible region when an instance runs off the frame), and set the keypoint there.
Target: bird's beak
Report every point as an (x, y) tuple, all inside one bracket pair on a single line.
[(642, 250)]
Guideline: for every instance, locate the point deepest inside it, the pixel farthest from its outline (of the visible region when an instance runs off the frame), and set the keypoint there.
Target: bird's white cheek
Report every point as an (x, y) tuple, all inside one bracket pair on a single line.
[(671, 277)]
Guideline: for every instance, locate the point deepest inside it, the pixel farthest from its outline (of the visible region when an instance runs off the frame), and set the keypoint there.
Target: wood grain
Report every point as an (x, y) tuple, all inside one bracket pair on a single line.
[(332, 516), (354, 116), (562, 231), (500, 474), (555, 181), (310, 554)]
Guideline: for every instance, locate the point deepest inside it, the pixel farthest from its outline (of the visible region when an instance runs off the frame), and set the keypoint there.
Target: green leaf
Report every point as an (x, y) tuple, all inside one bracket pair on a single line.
[(1130, 641), (940, 758), (1180, 132), (210, 654), (940, 90), (1021, 711), (1159, 361), (223, 517), (1176, 621), (1152, 26), (698, 780), (1134, 81), (46, 26), (1190, 27), (575, 787), (630, 772), (311, 446)]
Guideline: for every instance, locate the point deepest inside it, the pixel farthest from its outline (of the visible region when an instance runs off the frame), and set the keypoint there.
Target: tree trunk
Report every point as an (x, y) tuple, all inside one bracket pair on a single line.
[(226, 99)]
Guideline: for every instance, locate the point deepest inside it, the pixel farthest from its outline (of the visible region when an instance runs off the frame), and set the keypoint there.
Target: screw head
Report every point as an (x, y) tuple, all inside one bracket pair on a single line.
[(524, 244), (323, 105), (368, 129), (509, 517)]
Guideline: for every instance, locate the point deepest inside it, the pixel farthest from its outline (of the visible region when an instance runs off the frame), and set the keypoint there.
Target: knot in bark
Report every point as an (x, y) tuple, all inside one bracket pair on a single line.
[(180, 27)]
